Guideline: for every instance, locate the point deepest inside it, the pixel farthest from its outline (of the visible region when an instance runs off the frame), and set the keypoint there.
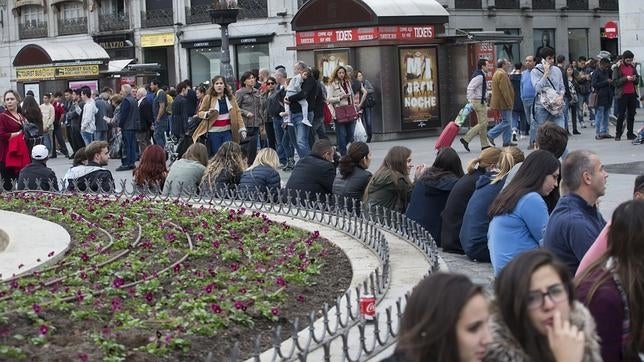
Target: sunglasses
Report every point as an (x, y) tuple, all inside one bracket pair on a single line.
[(270, 83)]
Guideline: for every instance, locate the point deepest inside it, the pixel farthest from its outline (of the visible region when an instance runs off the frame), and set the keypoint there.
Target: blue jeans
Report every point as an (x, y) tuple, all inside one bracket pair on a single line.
[(527, 108), (583, 98), (279, 139), (601, 120), (88, 137), (100, 135), (518, 121), (302, 134), (216, 139), (541, 115), (368, 125), (46, 140), (344, 133), (160, 129), (129, 148), (503, 127)]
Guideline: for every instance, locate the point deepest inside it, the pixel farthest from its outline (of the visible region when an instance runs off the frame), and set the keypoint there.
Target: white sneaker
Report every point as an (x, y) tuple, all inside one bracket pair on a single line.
[(306, 123), (514, 136)]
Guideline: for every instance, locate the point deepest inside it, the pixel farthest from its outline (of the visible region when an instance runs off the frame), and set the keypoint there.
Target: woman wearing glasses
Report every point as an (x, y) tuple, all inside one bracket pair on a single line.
[(536, 317)]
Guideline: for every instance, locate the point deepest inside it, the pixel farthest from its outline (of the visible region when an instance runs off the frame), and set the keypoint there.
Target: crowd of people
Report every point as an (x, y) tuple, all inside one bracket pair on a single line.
[(546, 88), (568, 284)]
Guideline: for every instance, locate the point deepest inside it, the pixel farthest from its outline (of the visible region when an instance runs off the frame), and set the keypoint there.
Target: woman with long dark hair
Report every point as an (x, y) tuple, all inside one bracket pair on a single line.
[(150, 174), (452, 216), (613, 287), (339, 93), (445, 320), (222, 119), (429, 196), (390, 187), (353, 177), (11, 121), (249, 100), (519, 213), (31, 110), (536, 317), (224, 170)]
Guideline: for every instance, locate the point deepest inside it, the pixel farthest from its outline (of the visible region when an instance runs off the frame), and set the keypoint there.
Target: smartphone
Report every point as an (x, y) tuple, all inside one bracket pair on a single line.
[(543, 62)]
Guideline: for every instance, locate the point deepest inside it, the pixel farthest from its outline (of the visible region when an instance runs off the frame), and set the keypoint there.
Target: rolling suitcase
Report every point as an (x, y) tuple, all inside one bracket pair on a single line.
[(447, 136)]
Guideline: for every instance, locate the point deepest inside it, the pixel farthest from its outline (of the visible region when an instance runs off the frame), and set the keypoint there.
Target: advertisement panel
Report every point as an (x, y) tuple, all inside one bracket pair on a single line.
[(419, 87), (157, 40), (412, 32), (327, 60)]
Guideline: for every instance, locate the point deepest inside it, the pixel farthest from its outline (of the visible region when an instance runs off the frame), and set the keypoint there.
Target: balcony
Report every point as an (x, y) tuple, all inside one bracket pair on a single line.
[(113, 22), (153, 18), (506, 4), (467, 4), (608, 5), (577, 4), (543, 4), (198, 14), (33, 30), (72, 26)]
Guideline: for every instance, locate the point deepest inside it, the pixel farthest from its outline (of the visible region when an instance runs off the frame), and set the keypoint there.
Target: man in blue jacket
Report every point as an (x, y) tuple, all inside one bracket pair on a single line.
[(576, 221), (527, 97)]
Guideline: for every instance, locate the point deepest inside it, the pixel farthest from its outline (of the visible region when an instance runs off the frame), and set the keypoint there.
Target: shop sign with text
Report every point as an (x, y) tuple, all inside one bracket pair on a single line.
[(157, 40), (419, 87), (411, 32), (57, 72)]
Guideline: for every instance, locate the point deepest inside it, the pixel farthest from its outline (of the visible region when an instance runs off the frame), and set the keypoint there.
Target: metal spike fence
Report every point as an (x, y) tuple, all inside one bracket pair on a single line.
[(337, 323)]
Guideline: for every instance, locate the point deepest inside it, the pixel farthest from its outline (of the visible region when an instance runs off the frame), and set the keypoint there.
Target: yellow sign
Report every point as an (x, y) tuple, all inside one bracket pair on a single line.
[(74, 71), (68, 71), (36, 73), (157, 40)]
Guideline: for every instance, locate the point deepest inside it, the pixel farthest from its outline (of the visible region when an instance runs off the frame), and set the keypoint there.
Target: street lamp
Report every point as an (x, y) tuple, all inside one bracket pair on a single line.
[(224, 13)]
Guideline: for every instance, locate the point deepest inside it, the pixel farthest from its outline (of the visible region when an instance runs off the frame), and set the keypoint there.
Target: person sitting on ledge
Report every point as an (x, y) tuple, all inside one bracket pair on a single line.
[(92, 176), (36, 175)]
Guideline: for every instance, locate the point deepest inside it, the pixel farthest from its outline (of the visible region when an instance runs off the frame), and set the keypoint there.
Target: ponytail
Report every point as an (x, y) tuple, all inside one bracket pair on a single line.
[(488, 157), (510, 156), (473, 165)]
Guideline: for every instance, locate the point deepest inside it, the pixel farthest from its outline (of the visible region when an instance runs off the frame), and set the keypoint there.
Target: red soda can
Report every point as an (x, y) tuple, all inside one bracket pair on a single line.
[(368, 307)]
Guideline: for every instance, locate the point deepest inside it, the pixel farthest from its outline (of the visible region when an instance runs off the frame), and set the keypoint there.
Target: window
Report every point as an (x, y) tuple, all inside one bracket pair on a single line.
[(509, 51), (577, 43), (72, 19), (113, 7), (543, 38), (204, 63), (32, 15), (250, 57), (72, 10), (506, 4), (577, 4), (467, 4), (608, 5), (543, 4)]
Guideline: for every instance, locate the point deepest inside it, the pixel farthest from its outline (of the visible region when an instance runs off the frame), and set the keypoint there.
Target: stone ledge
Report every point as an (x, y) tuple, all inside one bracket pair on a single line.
[(29, 241)]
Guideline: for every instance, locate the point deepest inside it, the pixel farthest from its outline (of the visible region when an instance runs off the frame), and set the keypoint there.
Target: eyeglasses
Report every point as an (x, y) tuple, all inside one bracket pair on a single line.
[(557, 294), (270, 83)]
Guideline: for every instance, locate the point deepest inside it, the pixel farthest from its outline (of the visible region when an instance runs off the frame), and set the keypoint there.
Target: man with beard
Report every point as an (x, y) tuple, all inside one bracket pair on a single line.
[(92, 176)]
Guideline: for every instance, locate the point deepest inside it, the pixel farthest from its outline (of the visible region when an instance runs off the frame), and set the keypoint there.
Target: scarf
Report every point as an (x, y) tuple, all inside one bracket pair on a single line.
[(483, 88)]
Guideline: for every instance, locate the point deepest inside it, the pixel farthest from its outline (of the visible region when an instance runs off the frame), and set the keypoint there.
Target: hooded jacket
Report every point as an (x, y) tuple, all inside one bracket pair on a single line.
[(389, 189), (428, 199), (92, 176), (476, 220), (505, 348)]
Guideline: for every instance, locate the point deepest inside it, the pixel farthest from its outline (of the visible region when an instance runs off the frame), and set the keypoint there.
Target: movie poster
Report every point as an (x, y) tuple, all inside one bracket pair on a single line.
[(327, 60), (419, 87)]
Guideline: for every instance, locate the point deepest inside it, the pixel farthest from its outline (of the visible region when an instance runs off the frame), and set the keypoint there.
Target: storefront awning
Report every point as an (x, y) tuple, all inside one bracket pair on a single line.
[(58, 52), (118, 65), (57, 3), (21, 3), (331, 14)]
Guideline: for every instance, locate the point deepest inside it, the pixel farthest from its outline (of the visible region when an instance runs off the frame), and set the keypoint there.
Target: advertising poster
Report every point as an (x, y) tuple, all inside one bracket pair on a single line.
[(327, 60), (543, 38), (35, 88), (419, 87), (92, 84)]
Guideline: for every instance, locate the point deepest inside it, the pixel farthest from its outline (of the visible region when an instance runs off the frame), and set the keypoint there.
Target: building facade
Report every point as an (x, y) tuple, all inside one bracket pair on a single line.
[(176, 34), (631, 28), (572, 27)]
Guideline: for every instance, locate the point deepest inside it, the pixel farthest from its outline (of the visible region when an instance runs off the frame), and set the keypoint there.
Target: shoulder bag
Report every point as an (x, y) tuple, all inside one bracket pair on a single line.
[(549, 98), (346, 113)]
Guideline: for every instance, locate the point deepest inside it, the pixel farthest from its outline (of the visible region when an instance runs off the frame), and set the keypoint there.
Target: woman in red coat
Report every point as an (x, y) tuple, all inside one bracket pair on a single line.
[(10, 126)]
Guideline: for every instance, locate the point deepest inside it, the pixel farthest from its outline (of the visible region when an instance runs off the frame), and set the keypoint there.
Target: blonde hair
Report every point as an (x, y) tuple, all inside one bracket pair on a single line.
[(510, 156), (228, 157), (266, 156), (197, 152), (488, 157)]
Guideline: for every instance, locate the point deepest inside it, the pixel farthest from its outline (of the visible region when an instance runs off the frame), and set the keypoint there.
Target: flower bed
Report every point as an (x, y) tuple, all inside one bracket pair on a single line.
[(147, 280)]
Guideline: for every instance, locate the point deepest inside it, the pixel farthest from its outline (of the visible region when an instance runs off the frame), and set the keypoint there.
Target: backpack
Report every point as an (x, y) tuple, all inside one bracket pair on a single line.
[(32, 134), (168, 102)]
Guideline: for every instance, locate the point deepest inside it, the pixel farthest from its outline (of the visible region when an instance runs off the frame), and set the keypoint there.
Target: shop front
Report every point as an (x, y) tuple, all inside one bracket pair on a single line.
[(419, 73), (53, 67), (159, 48), (247, 53)]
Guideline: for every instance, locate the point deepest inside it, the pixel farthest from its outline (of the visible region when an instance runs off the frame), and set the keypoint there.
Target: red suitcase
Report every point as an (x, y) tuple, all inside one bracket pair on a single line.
[(447, 136)]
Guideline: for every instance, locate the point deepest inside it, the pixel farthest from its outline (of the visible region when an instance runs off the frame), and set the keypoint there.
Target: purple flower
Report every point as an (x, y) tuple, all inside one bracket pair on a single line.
[(239, 305), (300, 298), (83, 357), (204, 224), (281, 281), (116, 304), (209, 288), (215, 308), (149, 297), (84, 257), (199, 236), (275, 311), (118, 282), (177, 268), (216, 244), (170, 237), (36, 308), (234, 266), (79, 297), (43, 329), (14, 284)]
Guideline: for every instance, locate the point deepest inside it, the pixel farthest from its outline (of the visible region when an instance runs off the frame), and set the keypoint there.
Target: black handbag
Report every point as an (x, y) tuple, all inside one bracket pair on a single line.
[(32, 134)]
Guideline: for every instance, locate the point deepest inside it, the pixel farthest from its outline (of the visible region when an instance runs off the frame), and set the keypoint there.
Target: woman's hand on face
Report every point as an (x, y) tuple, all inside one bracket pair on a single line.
[(418, 170), (566, 340)]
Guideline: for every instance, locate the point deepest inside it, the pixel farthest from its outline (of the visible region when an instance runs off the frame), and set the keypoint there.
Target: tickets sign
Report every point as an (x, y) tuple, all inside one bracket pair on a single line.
[(412, 32)]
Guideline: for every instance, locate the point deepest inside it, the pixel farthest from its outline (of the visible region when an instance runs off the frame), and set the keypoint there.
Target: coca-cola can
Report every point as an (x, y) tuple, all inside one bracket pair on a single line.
[(368, 307)]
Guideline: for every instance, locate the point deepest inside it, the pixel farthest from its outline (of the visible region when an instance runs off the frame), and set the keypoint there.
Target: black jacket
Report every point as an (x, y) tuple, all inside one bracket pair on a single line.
[(191, 102), (129, 118), (310, 90), (352, 186), (146, 115), (602, 87), (262, 178), (37, 176), (179, 115), (311, 174), (515, 79), (92, 176), (452, 215)]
